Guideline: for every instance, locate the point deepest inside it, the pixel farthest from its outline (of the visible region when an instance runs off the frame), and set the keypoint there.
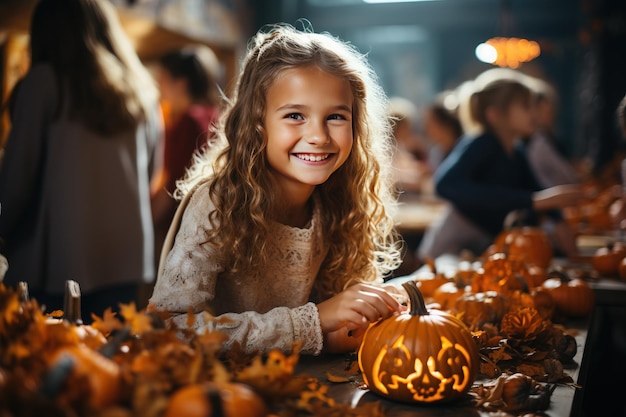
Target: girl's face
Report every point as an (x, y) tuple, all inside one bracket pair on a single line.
[(520, 118), (308, 123)]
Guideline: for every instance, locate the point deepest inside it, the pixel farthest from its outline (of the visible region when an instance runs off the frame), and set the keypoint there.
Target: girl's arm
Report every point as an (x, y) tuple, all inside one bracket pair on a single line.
[(455, 179), (186, 286)]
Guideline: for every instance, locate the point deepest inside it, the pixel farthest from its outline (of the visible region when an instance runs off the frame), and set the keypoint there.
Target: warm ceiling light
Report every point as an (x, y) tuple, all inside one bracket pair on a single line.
[(507, 52)]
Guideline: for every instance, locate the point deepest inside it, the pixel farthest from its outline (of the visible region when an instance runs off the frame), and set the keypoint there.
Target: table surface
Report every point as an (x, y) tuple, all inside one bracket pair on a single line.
[(416, 213)]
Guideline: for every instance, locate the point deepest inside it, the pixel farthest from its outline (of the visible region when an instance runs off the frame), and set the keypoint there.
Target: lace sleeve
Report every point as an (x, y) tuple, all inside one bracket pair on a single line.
[(190, 271), (279, 328)]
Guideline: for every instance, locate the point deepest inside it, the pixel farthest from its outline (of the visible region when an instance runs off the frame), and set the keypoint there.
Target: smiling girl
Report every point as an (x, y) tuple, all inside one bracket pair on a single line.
[(284, 232)]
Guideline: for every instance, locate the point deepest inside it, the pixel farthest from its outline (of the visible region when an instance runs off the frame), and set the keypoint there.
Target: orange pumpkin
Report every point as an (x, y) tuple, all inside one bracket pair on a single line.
[(429, 280), (79, 364), (419, 356), (606, 259), (447, 293), (210, 399), (622, 269), (530, 244), (503, 273), (481, 307), (572, 297)]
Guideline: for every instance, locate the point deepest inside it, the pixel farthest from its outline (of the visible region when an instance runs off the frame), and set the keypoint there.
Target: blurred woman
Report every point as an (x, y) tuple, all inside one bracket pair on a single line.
[(74, 183)]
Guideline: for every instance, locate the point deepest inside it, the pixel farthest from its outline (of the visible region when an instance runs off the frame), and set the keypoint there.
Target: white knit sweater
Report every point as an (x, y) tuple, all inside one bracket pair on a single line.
[(265, 310)]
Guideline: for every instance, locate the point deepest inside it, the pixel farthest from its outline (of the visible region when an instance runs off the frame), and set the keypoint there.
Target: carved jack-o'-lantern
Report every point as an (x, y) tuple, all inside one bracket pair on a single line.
[(419, 356)]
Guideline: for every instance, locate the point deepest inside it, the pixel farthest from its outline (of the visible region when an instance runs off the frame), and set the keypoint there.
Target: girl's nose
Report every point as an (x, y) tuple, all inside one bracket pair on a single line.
[(317, 133)]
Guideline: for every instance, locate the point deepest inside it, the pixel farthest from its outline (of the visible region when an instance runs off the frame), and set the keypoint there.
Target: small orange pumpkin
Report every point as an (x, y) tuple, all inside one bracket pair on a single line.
[(481, 307), (503, 273), (447, 294), (83, 364), (429, 280), (622, 269), (419, 356), (530, 244), (606, 259), (211, 399), (572, 297)]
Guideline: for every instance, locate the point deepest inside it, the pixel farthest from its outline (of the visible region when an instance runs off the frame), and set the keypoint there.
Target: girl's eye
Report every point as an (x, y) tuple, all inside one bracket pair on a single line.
[(294, 116), (336, 117)]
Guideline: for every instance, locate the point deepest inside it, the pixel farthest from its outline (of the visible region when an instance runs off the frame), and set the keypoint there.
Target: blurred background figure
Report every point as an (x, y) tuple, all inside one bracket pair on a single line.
[(74, 182), (548, 162), (189, 81), (442, 127), (487, 176), (410, 156), (617, 210)]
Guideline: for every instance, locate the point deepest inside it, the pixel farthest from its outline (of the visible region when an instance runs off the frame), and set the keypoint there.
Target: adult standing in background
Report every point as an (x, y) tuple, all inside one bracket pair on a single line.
[(188, 79), (74, 184)]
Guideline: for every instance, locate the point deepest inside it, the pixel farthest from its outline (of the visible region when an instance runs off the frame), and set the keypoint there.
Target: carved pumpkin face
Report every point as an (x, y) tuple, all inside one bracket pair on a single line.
[(419, 356)]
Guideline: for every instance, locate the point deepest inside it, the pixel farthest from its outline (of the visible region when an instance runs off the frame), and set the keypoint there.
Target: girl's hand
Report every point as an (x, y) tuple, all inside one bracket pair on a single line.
[(558, 197), (355, 308)]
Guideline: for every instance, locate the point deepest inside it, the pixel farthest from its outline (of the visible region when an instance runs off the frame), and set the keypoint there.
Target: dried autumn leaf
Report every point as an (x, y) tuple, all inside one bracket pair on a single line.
[(107, 323), (531, 369), (139, 322), (336, 378), (523, 324)]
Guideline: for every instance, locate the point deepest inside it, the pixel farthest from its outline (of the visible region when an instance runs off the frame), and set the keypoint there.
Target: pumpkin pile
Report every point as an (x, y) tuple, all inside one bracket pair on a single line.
[(512, 303), (136, 365)]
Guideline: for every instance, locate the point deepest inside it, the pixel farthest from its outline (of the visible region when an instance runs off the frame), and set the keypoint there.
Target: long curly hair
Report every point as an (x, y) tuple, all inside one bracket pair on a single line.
[(356, 201), (83, 40)]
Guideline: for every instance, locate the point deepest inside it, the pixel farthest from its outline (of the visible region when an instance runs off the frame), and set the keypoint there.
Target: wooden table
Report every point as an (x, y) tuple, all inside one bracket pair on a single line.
[(416, 213), (355, 393)]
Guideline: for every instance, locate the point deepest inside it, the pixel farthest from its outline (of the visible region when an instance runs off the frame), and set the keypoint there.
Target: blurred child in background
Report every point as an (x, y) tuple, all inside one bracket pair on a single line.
[(487, 175)]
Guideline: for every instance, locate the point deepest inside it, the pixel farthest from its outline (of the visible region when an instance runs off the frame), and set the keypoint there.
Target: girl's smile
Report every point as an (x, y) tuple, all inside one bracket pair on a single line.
[(308, 124), (313, 157)]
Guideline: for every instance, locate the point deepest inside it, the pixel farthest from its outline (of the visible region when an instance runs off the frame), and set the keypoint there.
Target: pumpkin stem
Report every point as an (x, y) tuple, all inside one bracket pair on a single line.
[(416, 299), (113, 345), (55, 378), (431, 265), (71, 302), (555, 273), (522, 281), (22, 288), (215, 399)]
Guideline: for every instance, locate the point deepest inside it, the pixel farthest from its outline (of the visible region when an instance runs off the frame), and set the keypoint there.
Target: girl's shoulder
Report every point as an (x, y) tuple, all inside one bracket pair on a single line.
[(199, 195)]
